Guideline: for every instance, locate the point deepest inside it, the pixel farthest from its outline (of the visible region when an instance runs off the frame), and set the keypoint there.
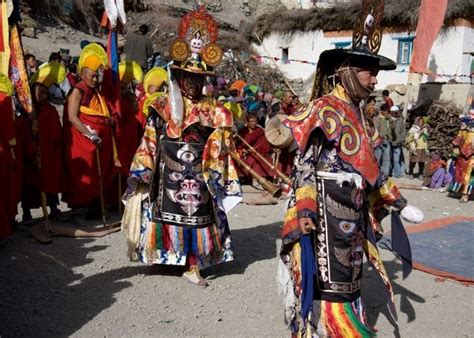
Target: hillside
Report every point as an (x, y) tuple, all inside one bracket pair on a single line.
[(55, 30)]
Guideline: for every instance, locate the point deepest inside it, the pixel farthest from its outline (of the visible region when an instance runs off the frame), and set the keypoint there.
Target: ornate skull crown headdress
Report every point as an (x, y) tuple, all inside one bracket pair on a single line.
[(196, 50)]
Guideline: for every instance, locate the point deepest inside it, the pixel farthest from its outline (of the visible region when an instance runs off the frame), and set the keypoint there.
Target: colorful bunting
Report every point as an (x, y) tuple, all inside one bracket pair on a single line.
[(262, 59)]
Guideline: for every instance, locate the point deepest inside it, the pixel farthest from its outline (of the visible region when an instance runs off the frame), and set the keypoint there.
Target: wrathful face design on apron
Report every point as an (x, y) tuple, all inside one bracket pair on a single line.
[(183, 197)]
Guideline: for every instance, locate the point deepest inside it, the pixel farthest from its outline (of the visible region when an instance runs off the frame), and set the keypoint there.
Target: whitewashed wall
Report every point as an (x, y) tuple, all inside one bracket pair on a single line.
[(291, 4), (446, 56)]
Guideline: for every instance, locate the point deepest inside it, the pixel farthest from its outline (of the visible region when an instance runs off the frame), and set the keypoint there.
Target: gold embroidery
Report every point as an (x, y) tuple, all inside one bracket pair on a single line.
[(339, 211), (350, 139), (383, 192), (306, 192)]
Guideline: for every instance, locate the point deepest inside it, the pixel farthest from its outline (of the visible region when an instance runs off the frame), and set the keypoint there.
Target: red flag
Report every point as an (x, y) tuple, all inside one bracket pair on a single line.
[(430, 21)]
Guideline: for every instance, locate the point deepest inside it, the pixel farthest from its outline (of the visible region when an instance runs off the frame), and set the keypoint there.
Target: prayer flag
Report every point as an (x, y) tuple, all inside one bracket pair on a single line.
[(430, 21)]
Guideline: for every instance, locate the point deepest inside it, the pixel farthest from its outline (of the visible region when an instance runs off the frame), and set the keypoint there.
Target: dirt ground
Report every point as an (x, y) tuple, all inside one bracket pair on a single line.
[(87, 287)]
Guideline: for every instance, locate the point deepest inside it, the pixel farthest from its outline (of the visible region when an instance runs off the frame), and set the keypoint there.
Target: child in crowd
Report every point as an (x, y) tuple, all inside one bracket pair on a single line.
[(436, 175)]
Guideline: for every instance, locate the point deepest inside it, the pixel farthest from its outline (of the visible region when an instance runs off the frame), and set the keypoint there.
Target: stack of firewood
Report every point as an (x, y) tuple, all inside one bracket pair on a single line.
[(444, 125)]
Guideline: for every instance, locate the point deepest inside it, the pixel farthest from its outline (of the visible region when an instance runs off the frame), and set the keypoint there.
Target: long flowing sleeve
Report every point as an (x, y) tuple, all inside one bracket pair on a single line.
[(303, 201), (382, 196), (143, 165), (219, 170), (140, 182)]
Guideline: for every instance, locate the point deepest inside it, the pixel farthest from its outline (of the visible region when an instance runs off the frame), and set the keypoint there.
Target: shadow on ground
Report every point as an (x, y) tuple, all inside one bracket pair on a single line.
[(374, 295), (250, 245), (41, 295)]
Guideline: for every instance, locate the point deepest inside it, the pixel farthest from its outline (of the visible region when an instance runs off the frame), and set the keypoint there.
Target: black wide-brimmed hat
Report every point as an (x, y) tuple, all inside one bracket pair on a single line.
[(366, 41), (361, 56)]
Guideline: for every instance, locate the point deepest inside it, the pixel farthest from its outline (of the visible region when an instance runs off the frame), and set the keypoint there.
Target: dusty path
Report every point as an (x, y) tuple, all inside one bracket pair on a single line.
[(87, 287)]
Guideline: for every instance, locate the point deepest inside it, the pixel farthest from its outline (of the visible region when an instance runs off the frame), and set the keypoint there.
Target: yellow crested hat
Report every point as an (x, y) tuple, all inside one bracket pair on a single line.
[(155, 76), (93, 56), (149, 101), (6, 86), (53, 72), (129, 71)]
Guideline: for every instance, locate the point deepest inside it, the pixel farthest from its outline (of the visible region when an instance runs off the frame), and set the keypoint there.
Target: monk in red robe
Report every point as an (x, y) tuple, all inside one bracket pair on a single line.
[(128, 128), (127, 137), (89, 128), (288, 107), (7, 158), (25, 152), (254, 135), (44, 170), (287, 103)]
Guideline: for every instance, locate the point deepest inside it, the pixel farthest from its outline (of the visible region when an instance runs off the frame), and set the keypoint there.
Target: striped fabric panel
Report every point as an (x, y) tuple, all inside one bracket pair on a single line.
[(201, 242), (344, 320)]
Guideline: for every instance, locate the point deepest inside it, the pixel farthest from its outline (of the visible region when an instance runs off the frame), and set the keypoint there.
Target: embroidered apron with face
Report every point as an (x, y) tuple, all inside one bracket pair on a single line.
[(183, 198)]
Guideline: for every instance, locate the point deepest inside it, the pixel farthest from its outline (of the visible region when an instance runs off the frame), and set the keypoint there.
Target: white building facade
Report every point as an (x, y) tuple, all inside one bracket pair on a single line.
[(451, 57), (306, 4)]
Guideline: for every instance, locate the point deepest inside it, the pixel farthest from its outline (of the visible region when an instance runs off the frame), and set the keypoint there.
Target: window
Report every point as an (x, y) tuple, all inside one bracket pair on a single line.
[(342, 44), (284, 55), (405, 50)]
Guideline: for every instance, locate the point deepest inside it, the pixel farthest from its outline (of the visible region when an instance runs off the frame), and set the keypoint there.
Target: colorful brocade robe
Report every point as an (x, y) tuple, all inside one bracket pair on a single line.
[(182, 183), (337, 183), (464, 165)]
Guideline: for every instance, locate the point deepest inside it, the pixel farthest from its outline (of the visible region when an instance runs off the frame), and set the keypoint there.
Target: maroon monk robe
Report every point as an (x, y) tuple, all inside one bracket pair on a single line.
[(80, 154), (256, 138), (49, 177), (285, 163), (127, 137), (25, 156), (51, 150), (7, 163)]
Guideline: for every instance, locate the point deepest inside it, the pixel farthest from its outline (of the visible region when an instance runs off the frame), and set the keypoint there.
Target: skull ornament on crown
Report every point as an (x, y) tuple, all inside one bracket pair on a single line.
[(195, 50), (196, 43), (369, 22)]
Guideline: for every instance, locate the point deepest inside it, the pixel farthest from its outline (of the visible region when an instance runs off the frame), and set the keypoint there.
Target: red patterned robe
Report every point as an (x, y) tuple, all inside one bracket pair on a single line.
[(464, 165), (336, 183)]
